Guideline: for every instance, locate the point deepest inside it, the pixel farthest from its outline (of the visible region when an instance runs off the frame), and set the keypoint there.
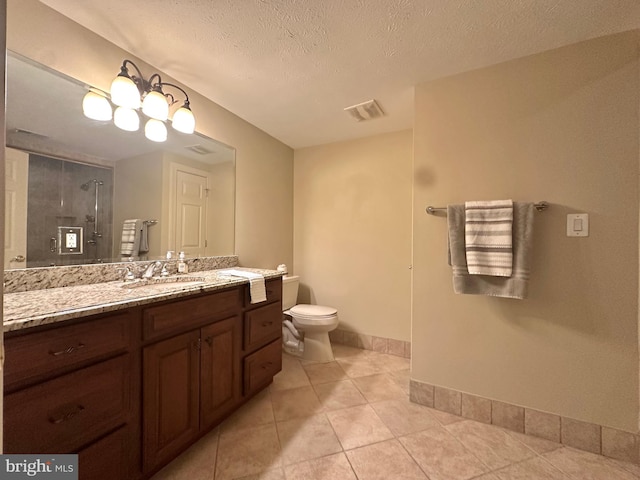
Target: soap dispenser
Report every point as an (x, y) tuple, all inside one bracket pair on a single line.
[(182, 265)]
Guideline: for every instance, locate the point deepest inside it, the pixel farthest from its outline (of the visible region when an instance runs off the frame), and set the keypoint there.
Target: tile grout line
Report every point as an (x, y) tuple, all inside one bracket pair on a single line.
[(215, 465), (489, 470)]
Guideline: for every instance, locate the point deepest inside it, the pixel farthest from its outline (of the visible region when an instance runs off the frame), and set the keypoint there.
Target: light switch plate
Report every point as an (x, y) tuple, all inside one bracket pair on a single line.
[(577, 225)]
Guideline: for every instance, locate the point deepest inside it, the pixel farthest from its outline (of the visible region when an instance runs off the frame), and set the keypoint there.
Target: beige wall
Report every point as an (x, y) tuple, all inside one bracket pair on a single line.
[(264, 166), (137, 193), (561, 126), (221, 208), (352, 217)]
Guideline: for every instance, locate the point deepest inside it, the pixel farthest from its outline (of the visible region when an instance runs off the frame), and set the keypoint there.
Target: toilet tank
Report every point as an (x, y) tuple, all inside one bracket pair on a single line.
[(289, 291)]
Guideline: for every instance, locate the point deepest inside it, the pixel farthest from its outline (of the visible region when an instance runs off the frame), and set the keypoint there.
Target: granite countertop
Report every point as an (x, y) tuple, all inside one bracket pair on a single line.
[(40, 307)]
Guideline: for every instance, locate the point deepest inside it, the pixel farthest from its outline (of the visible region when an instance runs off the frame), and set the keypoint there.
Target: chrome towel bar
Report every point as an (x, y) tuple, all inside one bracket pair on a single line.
[(540, 206)]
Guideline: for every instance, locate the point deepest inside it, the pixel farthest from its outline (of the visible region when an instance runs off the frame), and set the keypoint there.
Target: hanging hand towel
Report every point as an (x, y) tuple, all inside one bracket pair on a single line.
[(515, 286), (257, 290), (130, 241), (488, 232), (144, 238)]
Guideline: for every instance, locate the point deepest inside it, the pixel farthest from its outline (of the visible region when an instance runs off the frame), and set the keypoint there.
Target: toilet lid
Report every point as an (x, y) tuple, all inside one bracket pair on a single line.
[(313, 311)]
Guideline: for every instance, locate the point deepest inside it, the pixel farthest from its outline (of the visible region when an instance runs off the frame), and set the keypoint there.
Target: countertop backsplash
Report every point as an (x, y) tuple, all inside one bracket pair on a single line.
[(22, 280)]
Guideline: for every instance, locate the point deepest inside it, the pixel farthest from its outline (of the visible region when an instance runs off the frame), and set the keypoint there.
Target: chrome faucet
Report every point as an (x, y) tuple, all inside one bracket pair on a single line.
[(148, 273), (128, 274)]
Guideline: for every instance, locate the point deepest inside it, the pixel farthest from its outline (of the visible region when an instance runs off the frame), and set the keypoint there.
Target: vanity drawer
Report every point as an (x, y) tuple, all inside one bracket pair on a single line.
[(41, 353), (105, 459), (261, 366), (273, 290), (63, 414), (184, 315), (262, 325)]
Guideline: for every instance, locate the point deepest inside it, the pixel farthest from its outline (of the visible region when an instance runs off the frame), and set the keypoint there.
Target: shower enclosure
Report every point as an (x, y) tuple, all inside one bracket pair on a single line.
[(69, 212)]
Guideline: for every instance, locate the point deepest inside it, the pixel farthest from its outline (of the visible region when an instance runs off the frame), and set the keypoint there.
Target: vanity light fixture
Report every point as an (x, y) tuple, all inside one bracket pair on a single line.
[(129, 93), (96, 106)]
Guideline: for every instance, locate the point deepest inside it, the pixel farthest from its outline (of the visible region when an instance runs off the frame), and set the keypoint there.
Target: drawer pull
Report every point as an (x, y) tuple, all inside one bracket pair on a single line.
[(266, 365), (67, 416), (67, 350), (267, 324), (209, 340)]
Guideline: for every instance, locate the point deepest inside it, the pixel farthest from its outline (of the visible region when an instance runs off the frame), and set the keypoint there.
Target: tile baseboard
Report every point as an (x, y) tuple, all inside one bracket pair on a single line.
[(606, 441), (390, 346)]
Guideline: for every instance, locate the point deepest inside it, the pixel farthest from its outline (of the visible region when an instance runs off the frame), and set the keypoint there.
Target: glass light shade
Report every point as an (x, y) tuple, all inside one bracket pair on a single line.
[(96, 107), (126, 119), (125, 93), (183, 120), (155, 106), (155, 130)]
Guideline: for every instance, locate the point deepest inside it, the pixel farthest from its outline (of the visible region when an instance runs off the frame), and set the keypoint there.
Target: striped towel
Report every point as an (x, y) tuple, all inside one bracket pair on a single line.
[(130, 240), (515, 286), (488, 236)]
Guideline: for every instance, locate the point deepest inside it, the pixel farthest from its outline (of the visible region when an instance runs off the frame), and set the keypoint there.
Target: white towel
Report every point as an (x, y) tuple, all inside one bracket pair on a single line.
[(130, 241), (488, 232), (257, 290)]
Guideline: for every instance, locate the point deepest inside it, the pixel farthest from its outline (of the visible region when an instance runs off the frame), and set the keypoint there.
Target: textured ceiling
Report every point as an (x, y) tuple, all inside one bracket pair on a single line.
[(291, 66)]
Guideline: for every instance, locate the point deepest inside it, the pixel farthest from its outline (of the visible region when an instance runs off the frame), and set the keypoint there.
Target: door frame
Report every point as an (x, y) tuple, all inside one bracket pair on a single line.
[(174, 167)]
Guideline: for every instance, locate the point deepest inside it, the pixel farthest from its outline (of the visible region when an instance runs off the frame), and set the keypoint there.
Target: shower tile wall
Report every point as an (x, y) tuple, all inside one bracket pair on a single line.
[(56, 199)]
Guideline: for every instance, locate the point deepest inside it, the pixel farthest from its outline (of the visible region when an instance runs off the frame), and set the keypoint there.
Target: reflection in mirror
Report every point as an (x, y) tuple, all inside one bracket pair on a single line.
[(83, 191)]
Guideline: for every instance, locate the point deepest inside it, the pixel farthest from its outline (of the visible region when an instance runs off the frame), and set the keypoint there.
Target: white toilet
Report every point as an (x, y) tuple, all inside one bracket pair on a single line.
[(307, 332)]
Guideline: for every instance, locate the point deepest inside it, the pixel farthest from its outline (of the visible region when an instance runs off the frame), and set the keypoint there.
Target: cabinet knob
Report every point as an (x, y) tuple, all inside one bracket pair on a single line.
[(209, 340)]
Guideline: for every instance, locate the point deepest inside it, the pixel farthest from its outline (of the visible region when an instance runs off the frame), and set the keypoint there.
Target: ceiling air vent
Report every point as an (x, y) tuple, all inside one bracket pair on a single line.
[(365, 111), (199, 149)]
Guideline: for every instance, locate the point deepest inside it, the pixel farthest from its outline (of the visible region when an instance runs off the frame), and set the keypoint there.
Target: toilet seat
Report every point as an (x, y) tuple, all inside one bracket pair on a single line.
[(306, 316), (313, 311)]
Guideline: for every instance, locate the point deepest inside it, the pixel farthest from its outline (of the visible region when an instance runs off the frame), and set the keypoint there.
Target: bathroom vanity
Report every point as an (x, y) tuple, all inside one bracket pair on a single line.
[(130, 388)]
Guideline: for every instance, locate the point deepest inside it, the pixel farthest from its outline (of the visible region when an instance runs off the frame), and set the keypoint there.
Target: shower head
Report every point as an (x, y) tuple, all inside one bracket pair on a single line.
[(85, 186)]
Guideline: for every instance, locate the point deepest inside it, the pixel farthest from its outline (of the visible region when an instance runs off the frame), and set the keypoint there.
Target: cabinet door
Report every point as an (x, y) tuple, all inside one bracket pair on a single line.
[(220, 364), (171, 397)]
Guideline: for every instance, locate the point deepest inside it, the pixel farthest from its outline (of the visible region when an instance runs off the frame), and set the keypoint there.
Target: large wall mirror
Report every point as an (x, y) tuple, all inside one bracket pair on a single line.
[(74, 186)]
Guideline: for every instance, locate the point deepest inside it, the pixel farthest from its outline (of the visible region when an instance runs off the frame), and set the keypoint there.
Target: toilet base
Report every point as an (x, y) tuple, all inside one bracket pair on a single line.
[(317, 347)]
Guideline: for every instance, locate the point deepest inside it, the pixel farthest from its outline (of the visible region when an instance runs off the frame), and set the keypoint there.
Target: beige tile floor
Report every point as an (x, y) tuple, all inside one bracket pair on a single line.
[(352, 420)]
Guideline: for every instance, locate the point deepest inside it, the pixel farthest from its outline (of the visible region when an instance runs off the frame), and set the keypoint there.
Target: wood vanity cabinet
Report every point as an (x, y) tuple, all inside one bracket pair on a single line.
[(190, 382), (202, 358), (74, 389), (130, 390)]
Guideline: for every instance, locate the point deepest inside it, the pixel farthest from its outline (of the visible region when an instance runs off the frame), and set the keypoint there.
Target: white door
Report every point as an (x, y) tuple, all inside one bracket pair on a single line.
[(191, 213), (15, 221)]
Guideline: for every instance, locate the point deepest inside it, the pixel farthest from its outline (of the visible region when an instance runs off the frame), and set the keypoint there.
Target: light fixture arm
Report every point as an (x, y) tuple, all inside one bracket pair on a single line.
[(139, 80), (186, 101), (148, 85)]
